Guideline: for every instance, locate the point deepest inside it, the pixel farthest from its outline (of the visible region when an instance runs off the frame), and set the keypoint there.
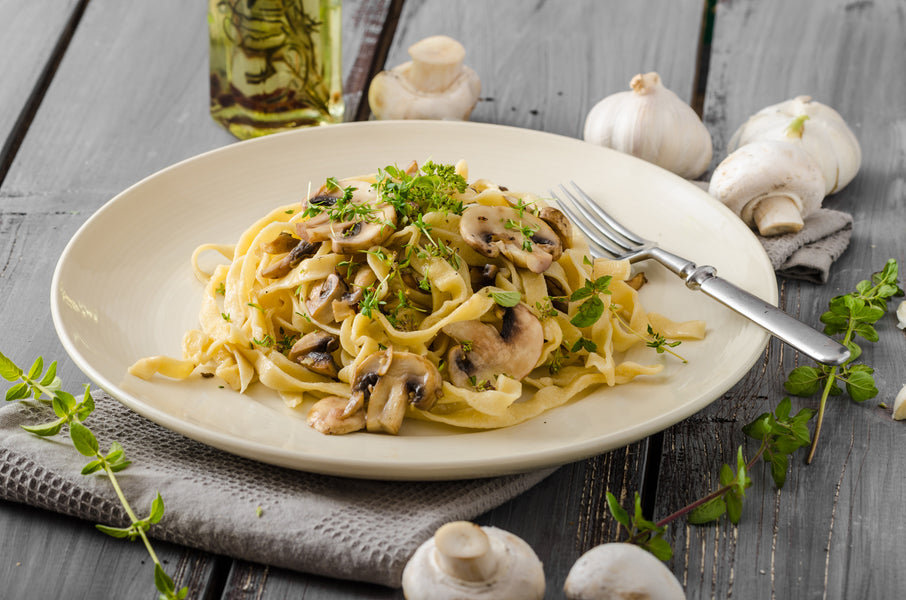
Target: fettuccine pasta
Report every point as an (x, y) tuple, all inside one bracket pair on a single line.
[(414, 293)]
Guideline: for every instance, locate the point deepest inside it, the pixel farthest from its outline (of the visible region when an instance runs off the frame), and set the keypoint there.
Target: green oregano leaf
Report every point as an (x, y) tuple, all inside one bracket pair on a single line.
[(83, 440), (8, 369), (507, 299)]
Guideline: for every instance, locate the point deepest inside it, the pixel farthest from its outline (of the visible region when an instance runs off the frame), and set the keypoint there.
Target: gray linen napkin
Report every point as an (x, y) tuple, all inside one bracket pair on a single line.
[(810, 253), (332, 526)]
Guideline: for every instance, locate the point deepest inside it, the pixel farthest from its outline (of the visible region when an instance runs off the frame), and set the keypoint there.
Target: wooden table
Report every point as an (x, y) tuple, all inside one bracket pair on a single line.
[(96, 95)]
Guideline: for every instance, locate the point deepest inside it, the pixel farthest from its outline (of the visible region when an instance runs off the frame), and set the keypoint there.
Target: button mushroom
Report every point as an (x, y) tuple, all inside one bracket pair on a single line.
[(298, 251), (620, 571), (385, 383), (349, 222), (328, 416), (483, 352), (525, 239), (464, 561), (771, 185), (313, 351), (433, 85), (320, 300)]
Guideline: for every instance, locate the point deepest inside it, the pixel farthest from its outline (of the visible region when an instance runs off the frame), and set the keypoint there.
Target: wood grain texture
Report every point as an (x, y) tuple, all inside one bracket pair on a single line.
[(834, 529), (129, 97), (31, 33), (543, 65)]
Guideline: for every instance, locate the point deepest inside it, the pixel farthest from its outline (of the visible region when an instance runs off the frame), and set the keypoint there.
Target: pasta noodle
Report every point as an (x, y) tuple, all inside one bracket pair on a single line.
[(414, 293)]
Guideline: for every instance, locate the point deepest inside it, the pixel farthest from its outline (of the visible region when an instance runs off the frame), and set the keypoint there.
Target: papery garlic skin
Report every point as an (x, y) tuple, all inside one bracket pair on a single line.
[(654, 124), (818, 128), (899, 405)]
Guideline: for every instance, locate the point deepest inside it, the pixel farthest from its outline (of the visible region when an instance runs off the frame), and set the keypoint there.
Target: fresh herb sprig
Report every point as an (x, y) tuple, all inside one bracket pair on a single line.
[(853, 315), (44, 385), (780, 433)]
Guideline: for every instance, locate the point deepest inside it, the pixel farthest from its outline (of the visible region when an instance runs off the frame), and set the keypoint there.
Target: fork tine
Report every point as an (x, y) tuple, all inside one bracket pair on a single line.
[(597, 246), (600, 227), (602, 214), (596, 227)]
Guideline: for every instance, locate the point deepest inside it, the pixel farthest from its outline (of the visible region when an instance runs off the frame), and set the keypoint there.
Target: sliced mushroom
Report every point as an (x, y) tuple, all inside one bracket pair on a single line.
[(320, 301), (637, 281), (483, 276), (387, 382), (513, 351), (284, 242), (356, 232), (559, 223), (525, 239), (282, 267), (347, 304), (328, 416), (313, 351)]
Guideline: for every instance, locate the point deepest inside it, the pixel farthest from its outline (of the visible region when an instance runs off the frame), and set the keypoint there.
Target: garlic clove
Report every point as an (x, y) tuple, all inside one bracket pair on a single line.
[(435, 84), (463, 561), (818, 128), (652, 123), (899, 405), (772, 186), (901, 315)]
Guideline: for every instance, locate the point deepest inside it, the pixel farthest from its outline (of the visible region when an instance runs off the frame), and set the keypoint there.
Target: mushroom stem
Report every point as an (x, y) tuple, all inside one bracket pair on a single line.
[(777, 214), (463, 551), (436, 63)]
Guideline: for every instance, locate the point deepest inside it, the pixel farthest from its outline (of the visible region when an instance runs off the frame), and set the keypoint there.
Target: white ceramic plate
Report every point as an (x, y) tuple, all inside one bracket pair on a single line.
[(124, 289)]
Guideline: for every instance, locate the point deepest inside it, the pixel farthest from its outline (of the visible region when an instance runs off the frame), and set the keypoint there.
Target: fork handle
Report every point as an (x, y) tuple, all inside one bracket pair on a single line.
[(789, 329)]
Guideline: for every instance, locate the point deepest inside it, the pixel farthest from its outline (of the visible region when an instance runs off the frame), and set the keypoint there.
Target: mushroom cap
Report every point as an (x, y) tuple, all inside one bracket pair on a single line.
[(513, 351), (392, 95), (328, 416), (621, 570), (496, 230), (320, 300), (355, 233), (433, 85), (826, 137), (764, 169), (389, 382), (511, 568)]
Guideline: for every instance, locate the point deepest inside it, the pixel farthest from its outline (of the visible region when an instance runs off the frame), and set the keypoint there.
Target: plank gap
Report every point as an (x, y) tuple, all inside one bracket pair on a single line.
[(381, 50), (651, 468), (23, 122), (703, 57)]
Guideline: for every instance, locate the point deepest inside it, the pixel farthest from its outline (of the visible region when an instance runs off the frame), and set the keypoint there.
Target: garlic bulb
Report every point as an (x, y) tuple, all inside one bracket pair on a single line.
[(651, 123), (819, 129)]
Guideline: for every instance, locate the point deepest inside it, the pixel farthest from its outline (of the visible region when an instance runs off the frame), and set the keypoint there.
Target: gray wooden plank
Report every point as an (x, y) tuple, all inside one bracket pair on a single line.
[(834, 531), (130, 97), (543, 65), (44, 556), (29, 33)]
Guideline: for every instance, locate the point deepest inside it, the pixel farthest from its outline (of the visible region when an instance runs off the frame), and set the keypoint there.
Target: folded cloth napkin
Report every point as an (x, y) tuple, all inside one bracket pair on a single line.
[(809, 253), (344, 528)]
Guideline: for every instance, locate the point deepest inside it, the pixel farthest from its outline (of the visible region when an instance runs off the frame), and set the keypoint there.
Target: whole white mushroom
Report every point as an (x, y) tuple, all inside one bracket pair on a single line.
[(435, 84), (773, 186), (621, 572), (464, 561)]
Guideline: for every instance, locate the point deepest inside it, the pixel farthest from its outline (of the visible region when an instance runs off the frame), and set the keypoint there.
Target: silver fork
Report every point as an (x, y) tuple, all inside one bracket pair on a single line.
[(610, 239)]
